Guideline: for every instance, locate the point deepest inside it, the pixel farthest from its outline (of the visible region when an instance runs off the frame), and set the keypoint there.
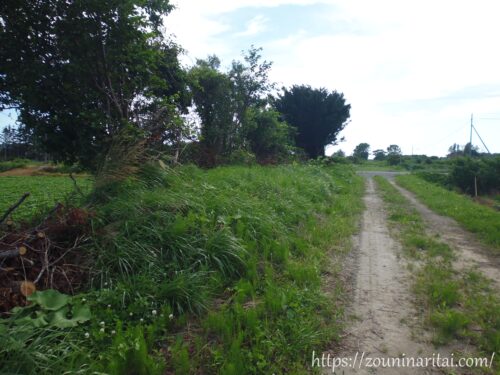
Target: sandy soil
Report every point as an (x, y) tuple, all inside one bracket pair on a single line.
[(382, 301), (470, 253), (25, 171), (34, 171)]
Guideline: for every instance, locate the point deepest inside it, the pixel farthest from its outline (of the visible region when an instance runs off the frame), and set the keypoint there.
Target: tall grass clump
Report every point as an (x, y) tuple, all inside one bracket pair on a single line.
[(253, 239), (212, 271)]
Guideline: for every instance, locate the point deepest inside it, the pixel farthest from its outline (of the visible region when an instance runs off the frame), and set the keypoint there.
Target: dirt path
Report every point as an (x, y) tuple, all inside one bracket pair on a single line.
[(470, 253), (382, 300)]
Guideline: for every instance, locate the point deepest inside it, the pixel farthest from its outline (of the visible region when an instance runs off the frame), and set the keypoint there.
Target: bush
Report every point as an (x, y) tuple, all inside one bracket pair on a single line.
[(242, 157), (434, 177), (486, 171)]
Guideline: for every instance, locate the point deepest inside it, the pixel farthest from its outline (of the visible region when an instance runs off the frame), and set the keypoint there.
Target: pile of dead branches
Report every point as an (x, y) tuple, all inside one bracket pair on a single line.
[(50, 254)]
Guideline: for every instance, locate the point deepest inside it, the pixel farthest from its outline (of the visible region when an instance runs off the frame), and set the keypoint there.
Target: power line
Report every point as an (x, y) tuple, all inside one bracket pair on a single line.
[(475, 130), (472, 127), (462, 127)]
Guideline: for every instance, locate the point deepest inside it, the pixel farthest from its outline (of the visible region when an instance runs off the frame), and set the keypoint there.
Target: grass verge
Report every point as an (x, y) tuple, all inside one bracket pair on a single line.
[(481, 220), (213, 272), (460, 304)]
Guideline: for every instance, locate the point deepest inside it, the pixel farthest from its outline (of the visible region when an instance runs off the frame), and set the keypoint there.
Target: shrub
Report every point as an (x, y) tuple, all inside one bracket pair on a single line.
[(485, 170)]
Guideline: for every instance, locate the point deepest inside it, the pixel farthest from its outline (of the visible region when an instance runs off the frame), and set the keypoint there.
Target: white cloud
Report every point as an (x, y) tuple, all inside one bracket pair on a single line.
[(255, 26), (400, 73)]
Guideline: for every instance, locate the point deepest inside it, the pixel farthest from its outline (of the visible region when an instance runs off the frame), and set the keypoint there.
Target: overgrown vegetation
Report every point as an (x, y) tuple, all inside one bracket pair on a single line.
[(459, 304), (211, 271), (479, 219)]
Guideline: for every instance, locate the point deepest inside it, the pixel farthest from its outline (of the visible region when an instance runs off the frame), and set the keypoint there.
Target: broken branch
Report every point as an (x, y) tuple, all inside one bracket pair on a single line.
[(13, 207), (13, 253)]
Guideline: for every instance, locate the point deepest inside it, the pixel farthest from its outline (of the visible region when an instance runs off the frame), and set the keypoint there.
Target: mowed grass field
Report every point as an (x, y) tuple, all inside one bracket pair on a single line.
[(44, 191)]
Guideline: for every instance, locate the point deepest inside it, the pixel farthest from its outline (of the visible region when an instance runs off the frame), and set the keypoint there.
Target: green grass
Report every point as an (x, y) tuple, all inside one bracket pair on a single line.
[(458, 305), (375, 165), (481, 220), (213, 272), (44, 193)]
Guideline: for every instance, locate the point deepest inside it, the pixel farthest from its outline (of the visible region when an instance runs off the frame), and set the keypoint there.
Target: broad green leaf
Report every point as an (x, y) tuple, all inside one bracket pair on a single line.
[(60, 317), (81, 313), (50, 299), (38, 322)]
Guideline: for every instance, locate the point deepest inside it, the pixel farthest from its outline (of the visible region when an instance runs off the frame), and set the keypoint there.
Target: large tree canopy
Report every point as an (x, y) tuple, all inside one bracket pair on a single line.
[(80, 71), (317, 114)]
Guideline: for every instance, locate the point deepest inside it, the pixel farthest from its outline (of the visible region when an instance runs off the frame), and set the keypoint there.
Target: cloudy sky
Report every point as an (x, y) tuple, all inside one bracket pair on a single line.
[(413, 71)]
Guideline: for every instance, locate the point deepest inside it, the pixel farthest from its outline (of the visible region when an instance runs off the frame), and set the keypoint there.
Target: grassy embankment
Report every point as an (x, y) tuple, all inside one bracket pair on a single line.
[(459, 304), (212, 272), (481, 220)]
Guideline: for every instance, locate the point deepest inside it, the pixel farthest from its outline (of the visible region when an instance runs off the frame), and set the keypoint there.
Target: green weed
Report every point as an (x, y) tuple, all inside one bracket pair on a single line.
[(479, 219)]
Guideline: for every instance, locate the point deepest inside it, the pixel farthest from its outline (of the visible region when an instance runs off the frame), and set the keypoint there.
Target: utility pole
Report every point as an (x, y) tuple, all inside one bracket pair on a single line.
[(470, 141)]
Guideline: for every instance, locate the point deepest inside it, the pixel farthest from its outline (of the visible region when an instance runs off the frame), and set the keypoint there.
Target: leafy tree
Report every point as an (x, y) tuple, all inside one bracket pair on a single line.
[(339, 153), (471, 150), (250, 87), (455, 150), (379, 154), (317, 114), (79, 72), (15, 142), (270, 138), (211, 91), (394, 154), (361, 151), (231, 105)]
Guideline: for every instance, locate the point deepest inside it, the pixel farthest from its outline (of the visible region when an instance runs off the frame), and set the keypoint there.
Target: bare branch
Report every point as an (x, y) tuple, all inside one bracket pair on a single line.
[(13, 207)]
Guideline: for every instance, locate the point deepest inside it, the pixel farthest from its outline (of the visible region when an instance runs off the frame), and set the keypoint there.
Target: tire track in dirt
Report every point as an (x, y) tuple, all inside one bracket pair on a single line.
[(382, 300), (470, 252)]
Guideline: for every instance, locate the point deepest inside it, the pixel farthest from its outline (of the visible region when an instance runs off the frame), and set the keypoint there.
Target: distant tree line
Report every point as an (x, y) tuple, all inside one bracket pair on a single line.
[(82, 73), (392, 154), (15, 143)]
